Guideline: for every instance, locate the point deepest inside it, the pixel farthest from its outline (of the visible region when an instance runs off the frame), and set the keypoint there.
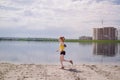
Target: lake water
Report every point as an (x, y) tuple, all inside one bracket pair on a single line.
[(45, 52)]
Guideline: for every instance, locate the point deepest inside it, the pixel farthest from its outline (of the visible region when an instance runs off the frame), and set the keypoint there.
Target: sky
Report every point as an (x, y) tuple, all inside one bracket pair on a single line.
[(54, 18)]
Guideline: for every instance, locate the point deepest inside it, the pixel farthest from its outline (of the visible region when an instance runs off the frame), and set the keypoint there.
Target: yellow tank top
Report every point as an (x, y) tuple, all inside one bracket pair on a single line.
[(61, 47)]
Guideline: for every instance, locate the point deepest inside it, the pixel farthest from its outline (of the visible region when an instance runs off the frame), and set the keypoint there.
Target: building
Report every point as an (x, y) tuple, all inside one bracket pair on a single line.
[(105, 33), (85, 38), (119, 33)]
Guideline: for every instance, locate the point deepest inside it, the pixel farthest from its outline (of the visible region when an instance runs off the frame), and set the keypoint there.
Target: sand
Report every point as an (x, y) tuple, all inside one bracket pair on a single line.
[(9, 71)]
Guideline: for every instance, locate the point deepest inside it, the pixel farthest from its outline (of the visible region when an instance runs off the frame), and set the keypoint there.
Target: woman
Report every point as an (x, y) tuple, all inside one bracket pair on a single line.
[(62, 52)]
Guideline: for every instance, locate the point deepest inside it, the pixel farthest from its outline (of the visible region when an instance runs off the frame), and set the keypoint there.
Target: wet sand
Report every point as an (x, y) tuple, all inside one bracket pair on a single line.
[(9, 71)]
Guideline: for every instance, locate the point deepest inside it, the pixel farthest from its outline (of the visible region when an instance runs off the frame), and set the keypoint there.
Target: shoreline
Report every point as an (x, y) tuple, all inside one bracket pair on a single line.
[(58, 63), (55, 40), (12, 71)]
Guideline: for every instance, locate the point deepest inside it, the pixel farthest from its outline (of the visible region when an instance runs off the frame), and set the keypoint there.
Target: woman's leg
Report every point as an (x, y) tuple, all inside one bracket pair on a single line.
[(61, 60), (65, 60)]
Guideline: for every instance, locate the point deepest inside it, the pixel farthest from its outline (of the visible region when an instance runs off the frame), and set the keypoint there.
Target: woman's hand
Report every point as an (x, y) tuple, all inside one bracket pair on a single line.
[(57, 50)]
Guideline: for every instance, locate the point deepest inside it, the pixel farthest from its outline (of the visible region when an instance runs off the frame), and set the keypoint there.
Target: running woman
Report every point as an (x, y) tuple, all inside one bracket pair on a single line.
[(62, 52)]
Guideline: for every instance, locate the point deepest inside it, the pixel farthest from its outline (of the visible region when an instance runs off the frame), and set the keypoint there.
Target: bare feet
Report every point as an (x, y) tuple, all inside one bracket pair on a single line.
[(62, 68), (71, 62)]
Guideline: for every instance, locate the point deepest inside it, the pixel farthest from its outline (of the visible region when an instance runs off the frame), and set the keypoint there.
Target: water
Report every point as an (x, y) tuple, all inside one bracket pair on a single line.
[(45, 52)]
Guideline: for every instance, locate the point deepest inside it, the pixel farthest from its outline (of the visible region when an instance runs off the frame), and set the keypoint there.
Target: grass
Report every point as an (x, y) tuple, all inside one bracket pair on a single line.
[(90, 41), (56, 40)]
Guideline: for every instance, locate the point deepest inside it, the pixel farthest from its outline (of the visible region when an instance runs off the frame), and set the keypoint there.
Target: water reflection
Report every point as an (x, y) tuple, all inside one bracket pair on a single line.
[(45, 52), (105, 49)]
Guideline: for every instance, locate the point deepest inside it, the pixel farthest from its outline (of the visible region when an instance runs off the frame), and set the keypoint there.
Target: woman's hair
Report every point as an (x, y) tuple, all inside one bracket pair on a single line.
[(62, 38)]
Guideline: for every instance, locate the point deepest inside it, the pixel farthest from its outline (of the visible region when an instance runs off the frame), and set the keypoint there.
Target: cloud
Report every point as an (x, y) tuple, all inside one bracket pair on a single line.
[(23, 2), (80, 16), (116, 2), (22, 31), (8, 8)]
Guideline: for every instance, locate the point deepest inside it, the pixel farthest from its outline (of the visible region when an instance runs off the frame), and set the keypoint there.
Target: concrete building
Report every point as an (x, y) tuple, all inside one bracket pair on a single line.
[(118, 33), (105, 33)]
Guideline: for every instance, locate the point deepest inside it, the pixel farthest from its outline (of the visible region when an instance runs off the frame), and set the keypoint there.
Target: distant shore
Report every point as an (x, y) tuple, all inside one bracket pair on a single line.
[(56, 40), (9, 71)]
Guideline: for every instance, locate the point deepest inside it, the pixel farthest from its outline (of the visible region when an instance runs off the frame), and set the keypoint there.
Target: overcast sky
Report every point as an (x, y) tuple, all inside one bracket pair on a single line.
[(54, 18)]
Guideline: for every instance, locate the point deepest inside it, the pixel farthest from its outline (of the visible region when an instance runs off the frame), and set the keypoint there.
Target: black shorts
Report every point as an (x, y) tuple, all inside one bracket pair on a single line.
[(62, 53)]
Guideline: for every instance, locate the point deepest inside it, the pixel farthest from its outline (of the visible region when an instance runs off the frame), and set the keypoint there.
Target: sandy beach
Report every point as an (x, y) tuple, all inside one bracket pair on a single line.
[(9, 71)]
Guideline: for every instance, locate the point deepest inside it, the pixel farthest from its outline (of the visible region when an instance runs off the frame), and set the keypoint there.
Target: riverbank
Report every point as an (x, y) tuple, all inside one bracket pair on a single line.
[(10, 71), (56, 40)]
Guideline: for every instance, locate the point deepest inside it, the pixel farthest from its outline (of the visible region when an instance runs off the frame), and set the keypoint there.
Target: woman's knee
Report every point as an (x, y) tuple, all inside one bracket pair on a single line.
[(62, 57)]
